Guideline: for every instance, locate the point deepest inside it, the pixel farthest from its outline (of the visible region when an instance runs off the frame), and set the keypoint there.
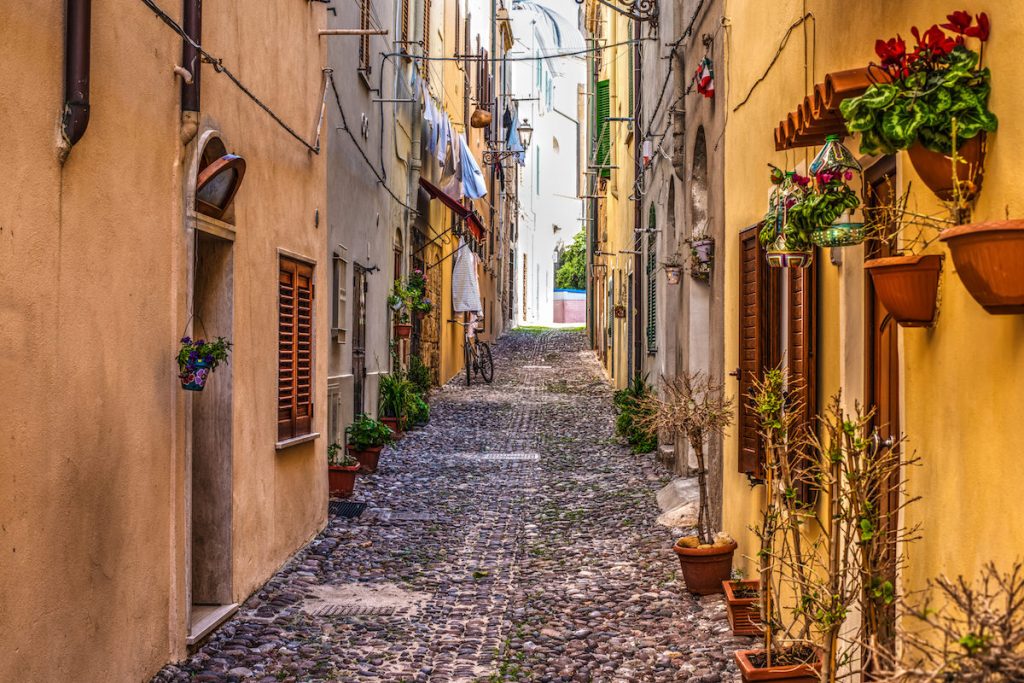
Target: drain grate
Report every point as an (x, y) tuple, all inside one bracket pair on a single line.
[(516, 456), (344, 508), (336, 610)]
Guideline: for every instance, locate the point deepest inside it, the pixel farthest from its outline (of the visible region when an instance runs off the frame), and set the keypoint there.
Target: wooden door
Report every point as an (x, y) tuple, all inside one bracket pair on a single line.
[(358, 340), (882, 362)]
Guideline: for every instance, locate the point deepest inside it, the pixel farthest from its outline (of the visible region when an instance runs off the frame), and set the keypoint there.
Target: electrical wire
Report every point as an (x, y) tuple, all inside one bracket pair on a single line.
[(218, 66), (782, 45)]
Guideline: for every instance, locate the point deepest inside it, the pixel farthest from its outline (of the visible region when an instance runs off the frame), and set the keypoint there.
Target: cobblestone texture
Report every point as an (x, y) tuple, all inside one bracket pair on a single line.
[(476, 560)]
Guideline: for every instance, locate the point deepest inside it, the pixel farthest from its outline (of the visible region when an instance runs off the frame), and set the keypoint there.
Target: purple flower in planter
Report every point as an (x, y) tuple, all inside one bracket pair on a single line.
[(186, 341)]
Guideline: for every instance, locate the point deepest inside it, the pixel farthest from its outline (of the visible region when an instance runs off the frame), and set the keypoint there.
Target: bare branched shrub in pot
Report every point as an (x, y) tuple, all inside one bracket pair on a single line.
[(693, 406)]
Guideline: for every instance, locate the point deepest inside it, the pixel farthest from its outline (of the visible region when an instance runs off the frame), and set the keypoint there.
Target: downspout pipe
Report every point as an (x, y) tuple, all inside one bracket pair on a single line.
[(192, 23), (77, 35)]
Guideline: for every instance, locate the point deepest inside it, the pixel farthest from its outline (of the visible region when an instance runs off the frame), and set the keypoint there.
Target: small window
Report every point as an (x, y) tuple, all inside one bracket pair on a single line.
[(338, 317), (217, 184), (294, 350)]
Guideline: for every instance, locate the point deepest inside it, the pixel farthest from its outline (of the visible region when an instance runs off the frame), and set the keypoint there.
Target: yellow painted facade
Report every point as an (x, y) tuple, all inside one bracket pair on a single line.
[(961, 381)]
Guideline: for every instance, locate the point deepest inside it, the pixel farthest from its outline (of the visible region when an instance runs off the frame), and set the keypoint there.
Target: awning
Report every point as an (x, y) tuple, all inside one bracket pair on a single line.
[(470, 216), (818, 115)]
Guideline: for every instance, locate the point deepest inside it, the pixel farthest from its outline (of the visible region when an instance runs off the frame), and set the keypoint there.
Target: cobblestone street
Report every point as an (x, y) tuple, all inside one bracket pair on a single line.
[(513, 538)]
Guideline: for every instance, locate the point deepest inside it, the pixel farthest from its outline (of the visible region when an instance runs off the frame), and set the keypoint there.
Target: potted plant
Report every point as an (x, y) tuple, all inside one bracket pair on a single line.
[(396, 393), (830, 211), (420, 375), (632, 413), (702, 258), (693, 406), (365, 438), (788, 244), (399, 302), (673, 269), (419, 411), (341, 471), (742, 605), (989, 258), (935, 105), (198, 358)]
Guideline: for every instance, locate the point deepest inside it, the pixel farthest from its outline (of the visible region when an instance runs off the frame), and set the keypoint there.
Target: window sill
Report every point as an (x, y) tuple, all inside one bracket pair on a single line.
[(295, 441)]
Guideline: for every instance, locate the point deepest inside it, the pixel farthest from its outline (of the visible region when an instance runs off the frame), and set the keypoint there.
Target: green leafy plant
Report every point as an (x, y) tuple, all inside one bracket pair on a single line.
[(213, 353), (420, 375), (572, 264), (632, 413), (337, 457), (396, 394), (829, 196), (367, 432), (922, 92), (419, 411), (779, 231)]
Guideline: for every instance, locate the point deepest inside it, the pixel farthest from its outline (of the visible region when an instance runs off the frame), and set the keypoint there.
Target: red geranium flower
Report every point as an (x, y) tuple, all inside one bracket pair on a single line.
[(934, 42)]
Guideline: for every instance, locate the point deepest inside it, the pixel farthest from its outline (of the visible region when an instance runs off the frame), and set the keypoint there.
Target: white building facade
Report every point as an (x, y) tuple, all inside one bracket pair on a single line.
[(550, 211)]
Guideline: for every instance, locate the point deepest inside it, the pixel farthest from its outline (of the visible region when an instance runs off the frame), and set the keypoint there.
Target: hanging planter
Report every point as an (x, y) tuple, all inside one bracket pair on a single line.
[(989, 258), (673, 274), (936, 169), (787, 246), (933, 101), (743, 606), (197, 359), (403, 330), (702, 254), (831, 210), (908, 287)]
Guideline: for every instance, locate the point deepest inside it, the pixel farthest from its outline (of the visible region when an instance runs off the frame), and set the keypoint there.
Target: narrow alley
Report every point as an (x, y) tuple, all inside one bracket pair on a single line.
[(512, 538)]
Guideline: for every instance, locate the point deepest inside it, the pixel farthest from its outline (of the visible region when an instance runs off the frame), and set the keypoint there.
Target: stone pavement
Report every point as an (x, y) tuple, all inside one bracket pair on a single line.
[(512, 539)]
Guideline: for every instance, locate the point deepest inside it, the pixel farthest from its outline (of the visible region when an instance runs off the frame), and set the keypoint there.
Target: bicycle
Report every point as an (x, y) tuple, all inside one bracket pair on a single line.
[(477, 355)]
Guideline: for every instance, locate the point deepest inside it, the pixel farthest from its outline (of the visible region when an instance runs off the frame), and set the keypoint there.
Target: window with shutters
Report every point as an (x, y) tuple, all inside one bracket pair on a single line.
[(364, 40), (758, 343), (602, 157), (425, 64), (801, 353), (339, 310), (404, 9), (294, 350), (652, 282)]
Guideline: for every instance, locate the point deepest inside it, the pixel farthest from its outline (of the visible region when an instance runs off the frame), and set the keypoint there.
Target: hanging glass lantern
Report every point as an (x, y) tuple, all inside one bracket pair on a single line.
[(836, 171)]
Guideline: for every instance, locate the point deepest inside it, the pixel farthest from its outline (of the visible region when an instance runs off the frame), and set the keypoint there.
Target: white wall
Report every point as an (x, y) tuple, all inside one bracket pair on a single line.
[(550, 209)]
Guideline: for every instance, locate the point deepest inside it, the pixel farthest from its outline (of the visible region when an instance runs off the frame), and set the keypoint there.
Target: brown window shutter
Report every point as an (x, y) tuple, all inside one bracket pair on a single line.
[(425, 66), (364, 40), (295, 350), (405, 25), (754, 307), (802, 349)]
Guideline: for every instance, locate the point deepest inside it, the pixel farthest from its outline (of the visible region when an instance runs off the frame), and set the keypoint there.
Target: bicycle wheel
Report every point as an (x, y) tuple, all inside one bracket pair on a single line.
[(486, 362), (468, 353)]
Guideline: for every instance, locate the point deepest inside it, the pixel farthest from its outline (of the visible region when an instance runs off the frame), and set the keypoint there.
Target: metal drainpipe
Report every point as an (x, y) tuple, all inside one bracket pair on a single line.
[(192, 22), (77, 34)]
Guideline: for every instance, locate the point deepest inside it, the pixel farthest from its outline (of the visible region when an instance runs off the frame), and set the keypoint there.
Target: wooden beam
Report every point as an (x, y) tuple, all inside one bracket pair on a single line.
[(352, 32)]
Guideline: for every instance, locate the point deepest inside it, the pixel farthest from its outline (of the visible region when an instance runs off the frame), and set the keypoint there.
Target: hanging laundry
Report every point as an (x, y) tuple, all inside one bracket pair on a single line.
[(465, 285), (432, 118), (444, 128), (472, 177), (705, 78), (507, 120)]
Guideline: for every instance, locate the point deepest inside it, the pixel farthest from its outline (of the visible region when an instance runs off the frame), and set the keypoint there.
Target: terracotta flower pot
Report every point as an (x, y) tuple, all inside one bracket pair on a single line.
[(403, 330), (936, 169), (989, 258), (392, 423), (341, 480), (798, 673), (704, 569), (908, 287), (672, 274), (744, 613), (368, 459)]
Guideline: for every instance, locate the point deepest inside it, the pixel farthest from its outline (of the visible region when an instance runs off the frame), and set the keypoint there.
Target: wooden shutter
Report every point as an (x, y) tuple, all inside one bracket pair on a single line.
[(802, 351), (602, 110), (295, 350), (425, 66), (405, 25), (364, 40), (758, 343), (652, 281)]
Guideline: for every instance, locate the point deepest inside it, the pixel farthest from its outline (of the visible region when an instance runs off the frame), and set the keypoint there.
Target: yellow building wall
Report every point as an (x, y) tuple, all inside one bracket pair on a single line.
[(93, 269), (961, 381)]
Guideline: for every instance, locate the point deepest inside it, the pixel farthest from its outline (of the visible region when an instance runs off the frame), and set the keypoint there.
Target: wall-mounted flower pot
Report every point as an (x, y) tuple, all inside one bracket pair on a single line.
[(797, 258), (673, 274), (392, 423), (936, 169), (989, 258), (743, 605), (704, 569), (368, 459), (752, 669), (403, 330), (342, 480), (620, 311), (908, 287), (703, 253), (193, 378)]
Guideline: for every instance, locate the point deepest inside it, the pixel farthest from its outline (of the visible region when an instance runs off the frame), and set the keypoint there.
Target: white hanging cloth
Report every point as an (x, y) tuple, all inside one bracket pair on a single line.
[(465, 285), (472, 177)]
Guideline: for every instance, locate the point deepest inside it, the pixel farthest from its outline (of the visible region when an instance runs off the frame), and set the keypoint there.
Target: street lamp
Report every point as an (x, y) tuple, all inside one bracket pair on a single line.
[(496, 156)]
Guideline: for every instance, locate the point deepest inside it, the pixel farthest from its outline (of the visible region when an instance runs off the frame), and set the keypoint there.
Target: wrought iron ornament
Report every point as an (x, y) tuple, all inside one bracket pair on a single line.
[(637, 10)]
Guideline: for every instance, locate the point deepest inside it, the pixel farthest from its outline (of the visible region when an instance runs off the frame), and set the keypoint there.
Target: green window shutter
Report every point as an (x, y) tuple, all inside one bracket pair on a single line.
[(630, 67), (652, 282), (603, 127)]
